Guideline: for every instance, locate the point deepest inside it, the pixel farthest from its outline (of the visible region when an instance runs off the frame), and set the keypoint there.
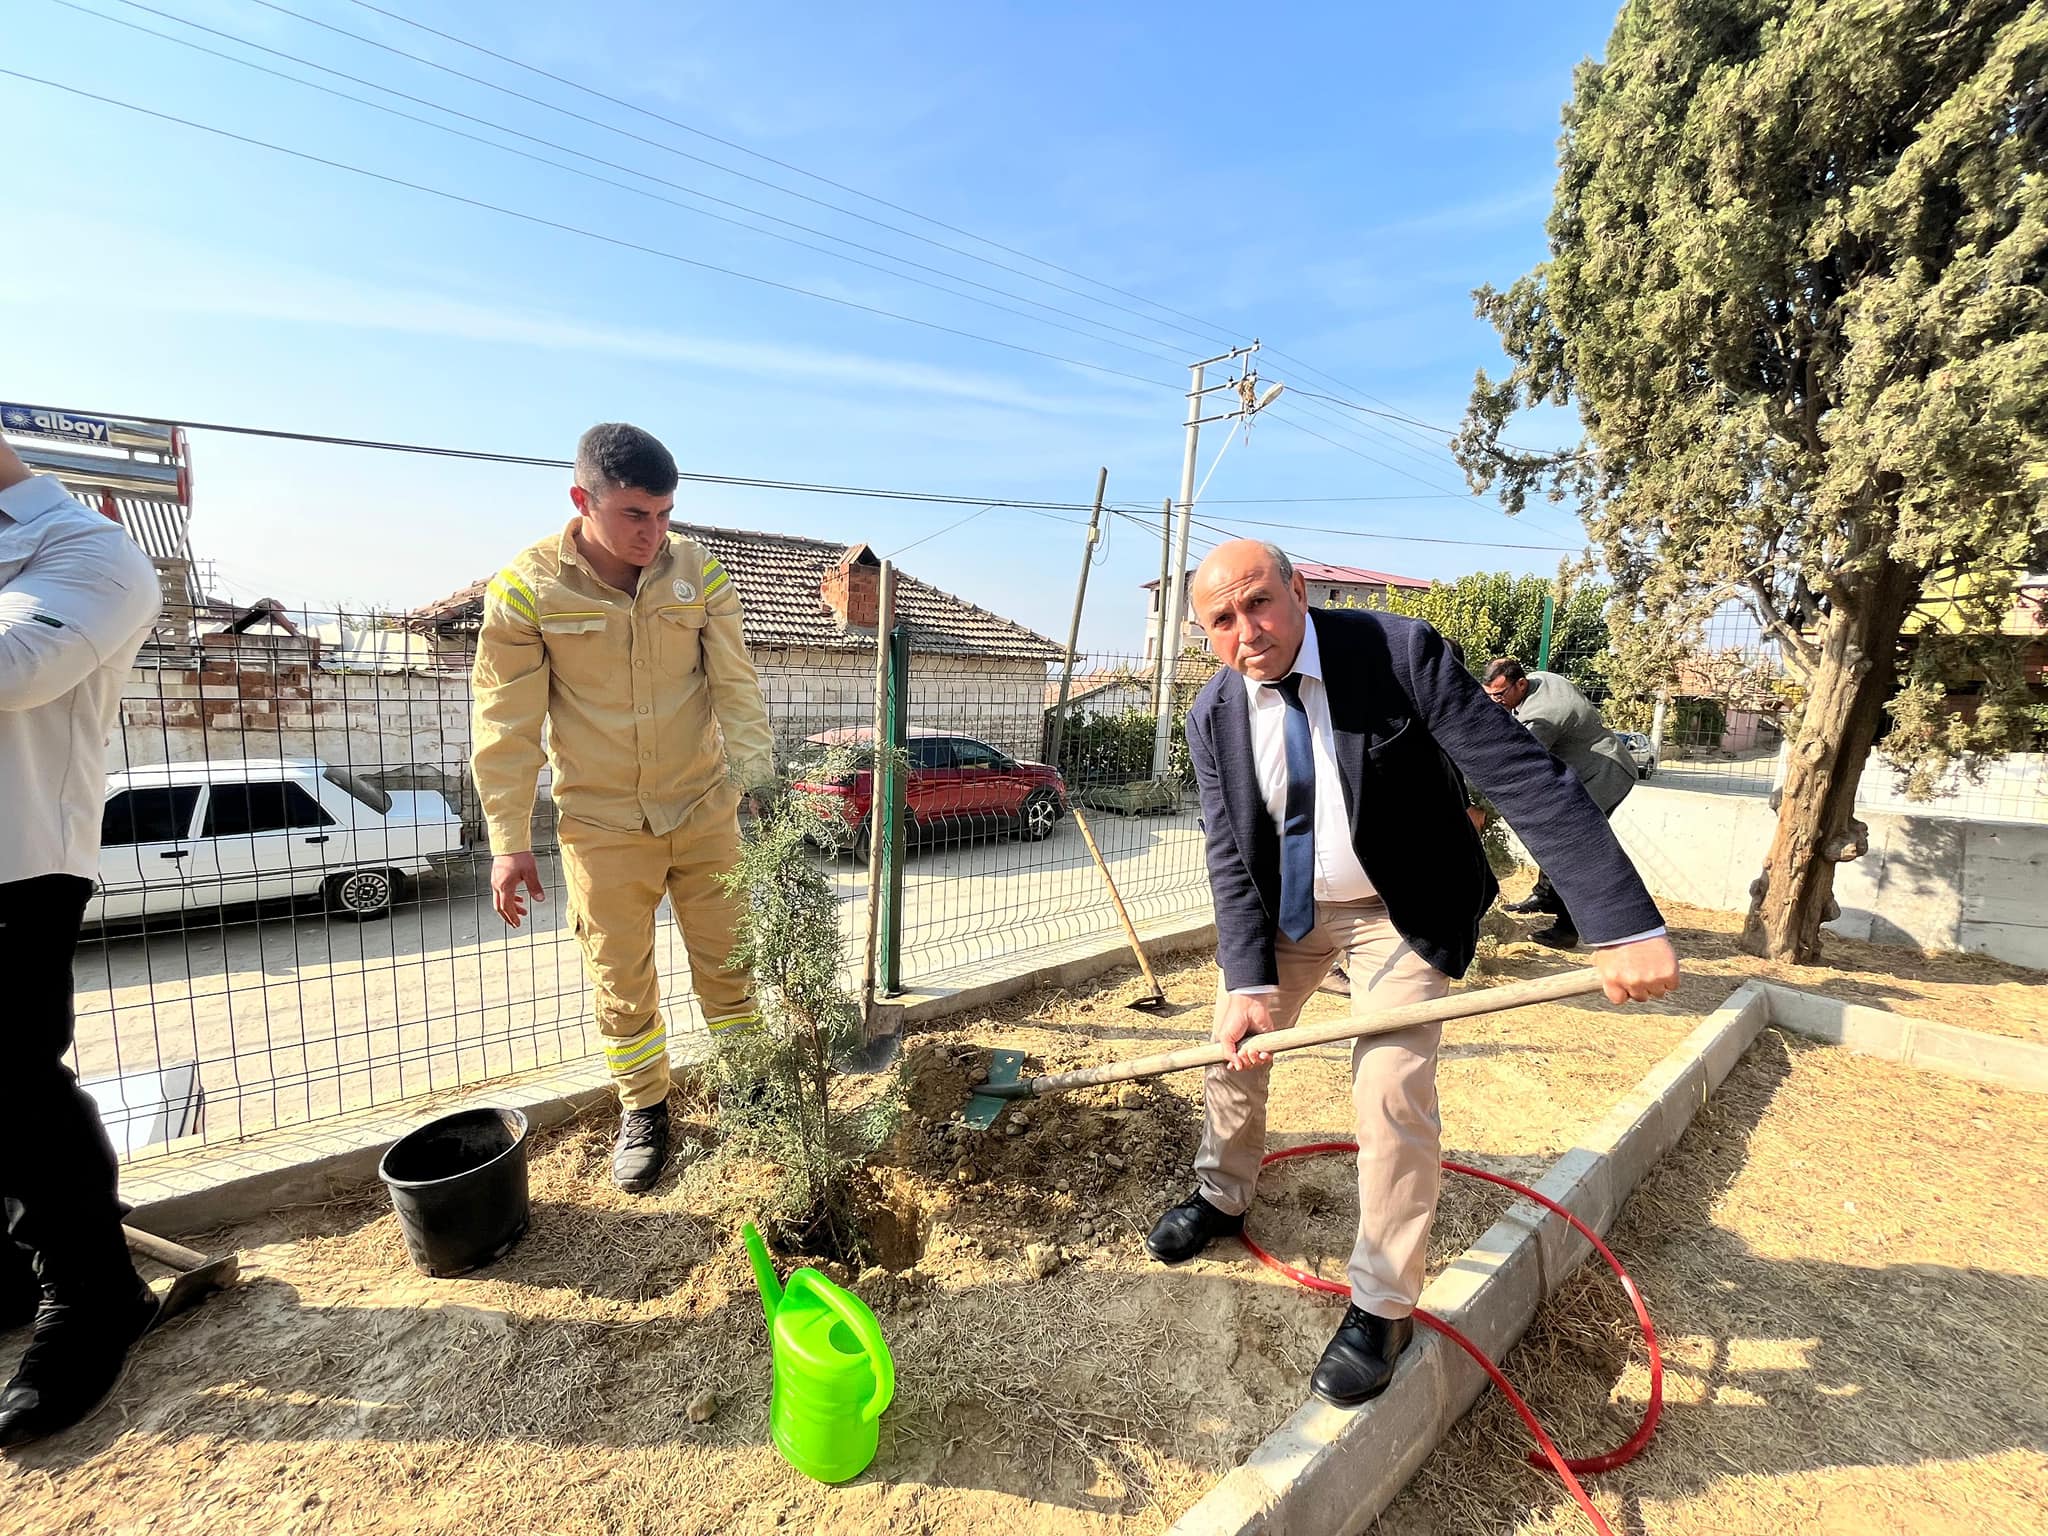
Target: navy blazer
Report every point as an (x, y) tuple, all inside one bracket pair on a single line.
[(1408, 720)]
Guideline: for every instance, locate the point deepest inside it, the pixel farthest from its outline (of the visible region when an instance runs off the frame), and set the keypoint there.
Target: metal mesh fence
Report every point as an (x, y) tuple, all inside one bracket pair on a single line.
[(294, 912)]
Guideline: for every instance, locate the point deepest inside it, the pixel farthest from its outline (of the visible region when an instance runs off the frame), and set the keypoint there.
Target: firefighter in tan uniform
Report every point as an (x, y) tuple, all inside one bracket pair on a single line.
[(624, 639)]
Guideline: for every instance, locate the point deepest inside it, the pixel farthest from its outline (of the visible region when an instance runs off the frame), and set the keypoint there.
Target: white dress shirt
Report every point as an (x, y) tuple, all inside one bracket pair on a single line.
[(77, 599), (1339, 875)]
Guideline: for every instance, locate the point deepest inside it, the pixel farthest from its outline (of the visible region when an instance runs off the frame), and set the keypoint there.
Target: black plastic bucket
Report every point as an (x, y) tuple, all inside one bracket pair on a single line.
[(459, 1187)]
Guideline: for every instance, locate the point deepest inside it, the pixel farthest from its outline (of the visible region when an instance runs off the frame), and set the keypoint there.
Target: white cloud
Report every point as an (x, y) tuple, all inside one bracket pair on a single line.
[(194, 280)]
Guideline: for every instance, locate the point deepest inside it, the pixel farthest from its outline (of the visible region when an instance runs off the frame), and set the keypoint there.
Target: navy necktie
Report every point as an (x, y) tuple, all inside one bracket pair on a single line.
[(1298, 827)]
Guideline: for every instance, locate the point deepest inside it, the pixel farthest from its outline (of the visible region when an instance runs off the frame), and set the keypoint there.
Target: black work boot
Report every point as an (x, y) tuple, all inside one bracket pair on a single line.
[(1359, 1361), (74, 1361), (1188, 1228), (641, 1151)]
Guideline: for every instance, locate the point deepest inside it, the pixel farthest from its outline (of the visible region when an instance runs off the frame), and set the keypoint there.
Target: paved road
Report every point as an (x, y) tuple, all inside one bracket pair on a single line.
[(293, 1016), (2015, 789)]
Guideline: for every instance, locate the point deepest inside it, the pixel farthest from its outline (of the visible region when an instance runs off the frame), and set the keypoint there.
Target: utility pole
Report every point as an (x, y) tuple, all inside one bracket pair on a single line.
[(1059, 718), (1175, 613)]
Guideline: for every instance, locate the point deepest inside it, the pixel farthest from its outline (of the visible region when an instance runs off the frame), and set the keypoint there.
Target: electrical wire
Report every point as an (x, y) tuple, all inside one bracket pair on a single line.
[(543, 222), (1394, 444), (970, 517), (696, 192), (924, 218), (1205, 327)]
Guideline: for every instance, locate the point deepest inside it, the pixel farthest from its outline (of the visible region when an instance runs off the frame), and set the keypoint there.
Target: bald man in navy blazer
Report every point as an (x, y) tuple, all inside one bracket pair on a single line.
[(1332, 759)]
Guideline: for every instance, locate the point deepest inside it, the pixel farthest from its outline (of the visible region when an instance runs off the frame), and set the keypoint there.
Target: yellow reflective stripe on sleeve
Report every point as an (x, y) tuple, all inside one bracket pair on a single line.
[(516, 595), (714, 577)]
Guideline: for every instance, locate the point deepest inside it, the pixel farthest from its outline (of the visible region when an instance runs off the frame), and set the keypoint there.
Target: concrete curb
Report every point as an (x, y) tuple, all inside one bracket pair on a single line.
[(1329, 1469), (1913, 1042), (308, 1164), (950, 992)]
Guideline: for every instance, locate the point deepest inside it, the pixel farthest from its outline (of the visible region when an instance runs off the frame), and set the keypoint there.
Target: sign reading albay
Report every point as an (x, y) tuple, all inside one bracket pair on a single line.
[(70, 427)]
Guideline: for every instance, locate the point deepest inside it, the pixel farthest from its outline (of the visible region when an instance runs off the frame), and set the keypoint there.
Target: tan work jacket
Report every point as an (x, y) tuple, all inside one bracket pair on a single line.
[(645, 696)]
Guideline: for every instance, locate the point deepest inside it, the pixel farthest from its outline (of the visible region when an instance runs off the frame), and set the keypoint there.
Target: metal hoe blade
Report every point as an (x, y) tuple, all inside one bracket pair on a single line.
[(1005, 1070)]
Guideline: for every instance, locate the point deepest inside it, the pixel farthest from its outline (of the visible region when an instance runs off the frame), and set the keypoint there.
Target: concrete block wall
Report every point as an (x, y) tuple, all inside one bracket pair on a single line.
[(1933, 882)]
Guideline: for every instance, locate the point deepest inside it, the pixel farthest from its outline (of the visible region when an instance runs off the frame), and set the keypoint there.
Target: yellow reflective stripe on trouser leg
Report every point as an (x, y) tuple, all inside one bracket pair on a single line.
[(733, 1022), (624, 1055)]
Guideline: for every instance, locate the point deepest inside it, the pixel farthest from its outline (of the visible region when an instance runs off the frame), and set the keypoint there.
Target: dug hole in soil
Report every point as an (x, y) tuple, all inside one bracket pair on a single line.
[(611, 1374)]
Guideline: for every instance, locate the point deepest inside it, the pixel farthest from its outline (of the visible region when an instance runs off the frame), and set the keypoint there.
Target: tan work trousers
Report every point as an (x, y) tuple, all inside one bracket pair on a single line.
[(1393, 1096), (616, 881)]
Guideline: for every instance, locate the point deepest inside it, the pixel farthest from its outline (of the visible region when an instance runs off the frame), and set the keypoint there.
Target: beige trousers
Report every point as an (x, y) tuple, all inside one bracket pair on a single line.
[(616, 881), (1393, 1096)]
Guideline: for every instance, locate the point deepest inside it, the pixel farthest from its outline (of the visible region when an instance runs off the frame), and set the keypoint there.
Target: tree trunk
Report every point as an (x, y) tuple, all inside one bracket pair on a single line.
[(1817, 826)]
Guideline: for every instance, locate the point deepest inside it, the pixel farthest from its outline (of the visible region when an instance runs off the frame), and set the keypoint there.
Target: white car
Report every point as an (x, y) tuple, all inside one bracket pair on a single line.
[(1640, 752), (191, 835)]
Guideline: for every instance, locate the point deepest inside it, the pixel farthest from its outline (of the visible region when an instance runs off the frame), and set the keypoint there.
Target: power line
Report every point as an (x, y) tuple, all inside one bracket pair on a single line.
[(587, 234), (1346, 448), (1366, 410), (1140, 517), (1399, 538), (970, 517), (1353, 405), (449, 69), (1208, 329), (696, 192)]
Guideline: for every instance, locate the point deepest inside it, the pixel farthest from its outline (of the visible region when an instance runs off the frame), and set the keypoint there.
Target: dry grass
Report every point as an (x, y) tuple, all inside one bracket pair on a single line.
[(1844, 1258), (338, 1391)]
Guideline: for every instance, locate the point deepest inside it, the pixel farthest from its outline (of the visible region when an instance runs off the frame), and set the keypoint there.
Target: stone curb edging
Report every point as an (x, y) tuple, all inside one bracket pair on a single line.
[(1913, 1042), (1330, 1469), (307, 1164)]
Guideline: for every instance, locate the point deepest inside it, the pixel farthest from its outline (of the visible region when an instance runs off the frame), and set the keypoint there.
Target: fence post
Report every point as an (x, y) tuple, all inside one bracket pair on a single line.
[(1549, 617), (878, 843), (889, 801)]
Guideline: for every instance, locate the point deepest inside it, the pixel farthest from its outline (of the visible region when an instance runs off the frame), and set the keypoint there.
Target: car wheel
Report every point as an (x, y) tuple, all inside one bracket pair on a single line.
[(862, 845), (1039, 815), (362, 894)]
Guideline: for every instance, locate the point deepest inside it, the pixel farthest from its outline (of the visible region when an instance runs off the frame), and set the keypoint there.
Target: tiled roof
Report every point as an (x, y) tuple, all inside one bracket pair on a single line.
[(779, 576)]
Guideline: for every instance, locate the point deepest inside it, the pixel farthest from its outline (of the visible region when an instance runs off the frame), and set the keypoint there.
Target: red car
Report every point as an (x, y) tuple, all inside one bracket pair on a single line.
[(957, 786)]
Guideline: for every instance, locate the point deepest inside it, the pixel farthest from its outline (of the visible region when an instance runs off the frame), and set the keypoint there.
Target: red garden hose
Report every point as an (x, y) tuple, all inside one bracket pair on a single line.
[(1546, 1454)]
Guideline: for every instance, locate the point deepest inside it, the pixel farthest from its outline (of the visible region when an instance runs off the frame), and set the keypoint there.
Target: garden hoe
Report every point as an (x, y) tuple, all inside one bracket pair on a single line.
[(1006, 1080), (1154, 1000), (193, 1275)]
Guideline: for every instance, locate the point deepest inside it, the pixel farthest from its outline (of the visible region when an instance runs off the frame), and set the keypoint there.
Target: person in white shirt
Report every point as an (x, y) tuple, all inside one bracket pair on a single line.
[(77, 599)]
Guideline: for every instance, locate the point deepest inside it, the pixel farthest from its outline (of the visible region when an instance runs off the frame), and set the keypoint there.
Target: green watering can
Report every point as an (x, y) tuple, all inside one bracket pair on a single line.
[(833, 1374)]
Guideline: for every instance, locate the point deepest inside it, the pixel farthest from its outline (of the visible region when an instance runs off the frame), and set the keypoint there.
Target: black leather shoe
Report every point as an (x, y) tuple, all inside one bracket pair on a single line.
[(73, 1363), (641, 1151), (1529, 906), (1559, 935), (1359, 1362), (1188, 1228)]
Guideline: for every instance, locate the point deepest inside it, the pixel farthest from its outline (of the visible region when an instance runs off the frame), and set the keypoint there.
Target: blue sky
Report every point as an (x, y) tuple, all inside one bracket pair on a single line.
[(1332, 178)]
